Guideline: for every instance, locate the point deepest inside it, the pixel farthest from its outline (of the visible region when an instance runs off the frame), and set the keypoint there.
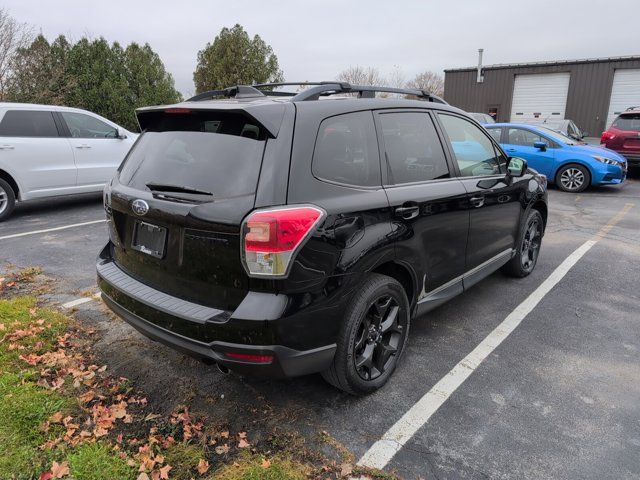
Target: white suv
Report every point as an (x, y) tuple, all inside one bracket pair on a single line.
[(48, 151)]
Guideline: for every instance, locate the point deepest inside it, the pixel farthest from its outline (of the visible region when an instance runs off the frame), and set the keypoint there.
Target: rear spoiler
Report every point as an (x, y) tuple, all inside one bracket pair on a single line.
[(269, 114)]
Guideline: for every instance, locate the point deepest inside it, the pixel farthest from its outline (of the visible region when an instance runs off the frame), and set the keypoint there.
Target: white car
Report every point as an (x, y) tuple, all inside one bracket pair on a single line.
[(49, 151)]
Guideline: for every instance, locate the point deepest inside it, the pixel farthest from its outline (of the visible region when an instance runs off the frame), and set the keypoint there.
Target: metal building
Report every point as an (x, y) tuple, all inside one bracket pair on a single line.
[(590, 92)]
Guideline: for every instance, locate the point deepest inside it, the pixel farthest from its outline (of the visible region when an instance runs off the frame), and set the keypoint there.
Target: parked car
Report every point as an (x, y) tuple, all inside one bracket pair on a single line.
[(563, 125), (482, 118), (48, 151), (572, 165), (286, 236), (623, 136)]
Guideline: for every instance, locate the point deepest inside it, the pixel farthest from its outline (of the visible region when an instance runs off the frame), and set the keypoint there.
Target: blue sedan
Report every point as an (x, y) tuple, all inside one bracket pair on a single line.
[(570, 164)]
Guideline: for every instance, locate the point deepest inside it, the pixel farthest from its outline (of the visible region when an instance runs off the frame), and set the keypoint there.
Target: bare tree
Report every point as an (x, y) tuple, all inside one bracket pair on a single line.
[(357, 75), (429, 81), (13, 36)]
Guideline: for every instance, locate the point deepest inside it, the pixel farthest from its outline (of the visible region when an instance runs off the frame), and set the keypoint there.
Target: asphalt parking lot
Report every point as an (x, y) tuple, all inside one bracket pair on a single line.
[(558, 398)]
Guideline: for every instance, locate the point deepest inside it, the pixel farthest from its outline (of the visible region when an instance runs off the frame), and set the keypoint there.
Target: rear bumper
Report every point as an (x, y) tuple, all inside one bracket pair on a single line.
[(210, 334), (633, 158)]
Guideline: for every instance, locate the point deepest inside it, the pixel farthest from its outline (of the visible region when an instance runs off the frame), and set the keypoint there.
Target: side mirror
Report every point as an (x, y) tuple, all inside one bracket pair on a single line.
[(516, 167), (584, 134), (121, 134), (540, 145)]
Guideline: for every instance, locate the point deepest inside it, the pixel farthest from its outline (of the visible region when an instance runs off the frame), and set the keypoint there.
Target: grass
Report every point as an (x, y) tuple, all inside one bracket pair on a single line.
[(251, 467), (95, 461), (27, 405)]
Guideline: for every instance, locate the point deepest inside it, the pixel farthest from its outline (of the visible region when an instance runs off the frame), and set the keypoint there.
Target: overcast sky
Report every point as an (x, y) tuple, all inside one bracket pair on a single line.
[(316, 40)]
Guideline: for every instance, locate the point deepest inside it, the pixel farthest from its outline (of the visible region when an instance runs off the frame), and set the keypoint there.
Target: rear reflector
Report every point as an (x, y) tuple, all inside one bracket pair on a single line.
[(247, 357), (272, 237)]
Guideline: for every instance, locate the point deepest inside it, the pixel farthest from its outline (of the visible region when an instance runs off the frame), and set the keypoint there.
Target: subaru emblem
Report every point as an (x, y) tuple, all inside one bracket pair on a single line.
[(140, 207)]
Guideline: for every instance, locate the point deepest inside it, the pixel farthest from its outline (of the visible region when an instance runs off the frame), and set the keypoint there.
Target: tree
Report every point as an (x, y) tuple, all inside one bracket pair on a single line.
[(357, 75), (91, 74), (235, 59), (13, 37), (429, 81)]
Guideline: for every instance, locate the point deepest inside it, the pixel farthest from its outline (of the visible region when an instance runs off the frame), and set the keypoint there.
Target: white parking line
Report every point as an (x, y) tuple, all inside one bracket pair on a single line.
[(80, 301), (382, 451), (55, 229)]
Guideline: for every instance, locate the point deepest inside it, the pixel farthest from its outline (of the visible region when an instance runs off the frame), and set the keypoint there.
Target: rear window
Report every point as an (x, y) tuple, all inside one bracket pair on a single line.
[(215, 152), (628, 122), (28, 123)]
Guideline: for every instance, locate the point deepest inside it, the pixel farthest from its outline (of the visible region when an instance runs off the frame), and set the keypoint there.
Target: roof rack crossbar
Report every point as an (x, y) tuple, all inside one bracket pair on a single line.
[(239, 91)]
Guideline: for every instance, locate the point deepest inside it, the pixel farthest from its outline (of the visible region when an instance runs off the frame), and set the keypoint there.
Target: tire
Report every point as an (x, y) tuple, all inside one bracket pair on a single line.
[(7, 200), (529, 242), (364, 339), (573, 178)]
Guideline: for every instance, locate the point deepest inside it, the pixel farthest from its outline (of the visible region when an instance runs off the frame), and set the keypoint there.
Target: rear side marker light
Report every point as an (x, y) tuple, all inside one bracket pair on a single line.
[(272, 237), (247, 357)]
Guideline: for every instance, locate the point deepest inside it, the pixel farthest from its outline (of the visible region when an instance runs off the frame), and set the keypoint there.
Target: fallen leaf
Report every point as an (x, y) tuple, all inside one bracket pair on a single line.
[(45, 476), (346, 469), (143, 476), (151, 416), (164, 472), (56, 417), (203, 466), (242, 440), (221, 449), (59, 470), (266, 463), (224, 434), (33, 311)]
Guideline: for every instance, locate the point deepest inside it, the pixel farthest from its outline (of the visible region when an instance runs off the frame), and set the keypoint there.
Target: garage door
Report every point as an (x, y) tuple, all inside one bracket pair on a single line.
[(539, 96), (625, 93)]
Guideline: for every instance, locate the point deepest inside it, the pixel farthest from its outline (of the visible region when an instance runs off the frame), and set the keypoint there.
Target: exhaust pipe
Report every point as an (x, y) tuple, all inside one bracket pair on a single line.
[(224, 370)]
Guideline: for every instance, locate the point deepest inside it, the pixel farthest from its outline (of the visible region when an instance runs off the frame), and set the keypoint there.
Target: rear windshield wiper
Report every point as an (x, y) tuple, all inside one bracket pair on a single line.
[(160, 187)]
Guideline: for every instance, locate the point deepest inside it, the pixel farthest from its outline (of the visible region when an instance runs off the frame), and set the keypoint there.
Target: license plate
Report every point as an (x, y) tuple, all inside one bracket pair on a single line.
[(149, 239)]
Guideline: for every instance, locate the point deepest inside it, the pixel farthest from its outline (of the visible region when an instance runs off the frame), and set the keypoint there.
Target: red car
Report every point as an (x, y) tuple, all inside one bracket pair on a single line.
[(623, 136)]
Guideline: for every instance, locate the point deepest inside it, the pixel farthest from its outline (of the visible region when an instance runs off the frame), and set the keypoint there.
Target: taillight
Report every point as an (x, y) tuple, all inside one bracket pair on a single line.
[(272, 237), (606, 136)]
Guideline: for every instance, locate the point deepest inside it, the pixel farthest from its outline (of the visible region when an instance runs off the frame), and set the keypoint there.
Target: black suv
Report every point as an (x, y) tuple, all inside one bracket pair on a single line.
[(285, 234)]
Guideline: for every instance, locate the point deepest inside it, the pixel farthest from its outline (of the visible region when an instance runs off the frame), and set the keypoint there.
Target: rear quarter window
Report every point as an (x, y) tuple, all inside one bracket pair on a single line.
[(346, 150), (628, 122), (28, 123)]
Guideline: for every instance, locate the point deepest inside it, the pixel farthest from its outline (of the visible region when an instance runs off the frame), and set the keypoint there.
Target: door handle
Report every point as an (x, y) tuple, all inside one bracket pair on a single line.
[(511, 149), (84, 145), (408, 211), (7, 147), (477, 201)]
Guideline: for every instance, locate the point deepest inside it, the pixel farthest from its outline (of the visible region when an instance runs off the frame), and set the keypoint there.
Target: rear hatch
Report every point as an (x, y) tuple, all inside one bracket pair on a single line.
[(627, 129), (178, 200)]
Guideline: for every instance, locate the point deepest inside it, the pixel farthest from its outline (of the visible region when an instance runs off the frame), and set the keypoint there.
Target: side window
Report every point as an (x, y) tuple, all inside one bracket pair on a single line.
[(28, 123), (346, 150), (525, 138), (473, 151), (86, 126), (495, 133), (412, 148)]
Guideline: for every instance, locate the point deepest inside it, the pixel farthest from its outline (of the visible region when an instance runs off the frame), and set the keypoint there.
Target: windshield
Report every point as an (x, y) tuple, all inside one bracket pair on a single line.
[(556, 136), (202, 152)]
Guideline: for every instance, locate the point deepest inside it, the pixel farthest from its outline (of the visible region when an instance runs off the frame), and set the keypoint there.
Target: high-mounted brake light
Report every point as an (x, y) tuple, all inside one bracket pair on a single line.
[(272, 237), (178, 110)]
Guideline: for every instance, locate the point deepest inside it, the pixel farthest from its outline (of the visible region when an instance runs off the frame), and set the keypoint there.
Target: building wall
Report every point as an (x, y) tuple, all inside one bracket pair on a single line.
[(587, 100)]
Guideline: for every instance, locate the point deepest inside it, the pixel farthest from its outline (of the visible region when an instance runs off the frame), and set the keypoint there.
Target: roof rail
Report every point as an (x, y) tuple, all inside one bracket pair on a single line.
[(239, 91), (317, 90), (334, 87)]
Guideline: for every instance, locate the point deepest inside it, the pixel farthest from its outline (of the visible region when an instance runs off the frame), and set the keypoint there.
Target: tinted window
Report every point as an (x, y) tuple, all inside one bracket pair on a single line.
[(495, 133), (628, 122), (347, 150), (28, 123), (412, 148), (526, 138), (86, 126), (473, 151), (214, 152)]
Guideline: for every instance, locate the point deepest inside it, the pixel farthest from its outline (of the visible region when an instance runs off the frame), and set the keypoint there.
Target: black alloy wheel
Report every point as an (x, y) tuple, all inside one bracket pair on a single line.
[(372, 338)]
